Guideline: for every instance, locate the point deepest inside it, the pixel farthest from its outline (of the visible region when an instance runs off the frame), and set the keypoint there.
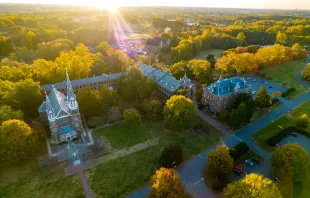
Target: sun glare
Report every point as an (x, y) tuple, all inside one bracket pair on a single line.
[(111, 8)]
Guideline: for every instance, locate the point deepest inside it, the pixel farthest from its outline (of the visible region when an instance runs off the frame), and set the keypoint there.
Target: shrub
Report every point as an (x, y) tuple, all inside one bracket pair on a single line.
[(238, 150), (153, 109), (288, 91), (269, 78), (132, 118), (95, 121), (274, 101), (201, 106), (276, 138), (171, 155), (302, 121)]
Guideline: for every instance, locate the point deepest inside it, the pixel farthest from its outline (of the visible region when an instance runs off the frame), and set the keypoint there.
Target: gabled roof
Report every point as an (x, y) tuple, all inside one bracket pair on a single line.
[(164, 79), (83, 81), (58, 103), (185, 79), (156, 41), (227, 86)]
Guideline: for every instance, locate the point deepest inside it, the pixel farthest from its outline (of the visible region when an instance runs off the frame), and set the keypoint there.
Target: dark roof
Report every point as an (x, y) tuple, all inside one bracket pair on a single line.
[(156, 41)]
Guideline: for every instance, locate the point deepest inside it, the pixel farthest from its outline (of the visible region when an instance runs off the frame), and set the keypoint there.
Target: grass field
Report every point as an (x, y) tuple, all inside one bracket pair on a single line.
[(203, 54), (285, 74), (25, 181), (260, 113), (277, 125), (119, 177)]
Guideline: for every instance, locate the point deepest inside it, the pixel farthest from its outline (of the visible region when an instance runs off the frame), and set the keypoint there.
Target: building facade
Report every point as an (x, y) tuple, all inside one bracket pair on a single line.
[(166, 83), (61, 113), (155, 45), (219, 95)]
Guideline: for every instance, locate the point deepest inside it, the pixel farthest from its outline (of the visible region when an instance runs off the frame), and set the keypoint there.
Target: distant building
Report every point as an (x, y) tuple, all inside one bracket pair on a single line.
[(219, 95), (95, 82), (155, 45), (62, 114), (167, 30), (166, 83)]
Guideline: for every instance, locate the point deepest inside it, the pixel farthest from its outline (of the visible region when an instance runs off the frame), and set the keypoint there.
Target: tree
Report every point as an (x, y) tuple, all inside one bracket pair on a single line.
[(44, 71), (201, 69), (90, 102), (167, 183), (252, 186), (103, 47), (119, 61), (17, 142), (7, 113), (302, 121), (132, 118), (179, 112), (153, 109), (114, 114), (281, 38), (26, 96), (211, 60), (29, 39), (262, 99), (179, 69), (290, 161), (305, 74), (100, 66), (220, 162), (171, 155), (109, 98), (241, 37), (6, 46), (5, 88)]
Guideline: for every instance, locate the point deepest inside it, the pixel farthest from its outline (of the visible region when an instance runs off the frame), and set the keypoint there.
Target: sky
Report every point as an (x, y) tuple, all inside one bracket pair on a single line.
[(258, 4)]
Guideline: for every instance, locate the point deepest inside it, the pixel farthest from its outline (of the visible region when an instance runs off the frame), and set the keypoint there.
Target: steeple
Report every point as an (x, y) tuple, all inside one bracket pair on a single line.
[(71, 99), (49, 108)]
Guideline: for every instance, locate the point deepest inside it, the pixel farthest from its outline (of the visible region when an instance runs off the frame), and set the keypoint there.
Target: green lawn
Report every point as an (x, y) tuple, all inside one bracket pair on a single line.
[(284, 74), (260, 113), (277, 125), (22, 181), (120, 177), (204, 53)]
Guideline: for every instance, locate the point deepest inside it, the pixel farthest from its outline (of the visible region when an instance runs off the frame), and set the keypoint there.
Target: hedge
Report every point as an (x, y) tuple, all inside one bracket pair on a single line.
[(287, 92), (238, 150), (282, 134)]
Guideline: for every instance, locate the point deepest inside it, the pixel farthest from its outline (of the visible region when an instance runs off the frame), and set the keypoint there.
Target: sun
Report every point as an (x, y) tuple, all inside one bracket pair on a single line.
[(109, 7)]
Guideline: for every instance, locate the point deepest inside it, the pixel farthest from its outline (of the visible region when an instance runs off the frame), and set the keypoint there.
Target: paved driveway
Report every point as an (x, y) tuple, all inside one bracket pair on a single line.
[(257, 82), (304, 141)]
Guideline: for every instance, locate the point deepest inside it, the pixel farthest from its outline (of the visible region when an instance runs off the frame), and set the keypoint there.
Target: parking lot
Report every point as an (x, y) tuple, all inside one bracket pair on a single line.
[(304, 141), (256, 83)]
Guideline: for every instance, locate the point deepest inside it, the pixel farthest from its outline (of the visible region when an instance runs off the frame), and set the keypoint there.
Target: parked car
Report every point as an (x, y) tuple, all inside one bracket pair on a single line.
[(293, 134), (241, 170), (236, 171), (270, 86), (254, 159), (249, 163)]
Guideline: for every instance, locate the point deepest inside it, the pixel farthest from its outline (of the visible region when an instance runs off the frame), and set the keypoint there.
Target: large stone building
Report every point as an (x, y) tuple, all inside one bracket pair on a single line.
[(219, 95), (166, 83), (61, 112), (155, 45)]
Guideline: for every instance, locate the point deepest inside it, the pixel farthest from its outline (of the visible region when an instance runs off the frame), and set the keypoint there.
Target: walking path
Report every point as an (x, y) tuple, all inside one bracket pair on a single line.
[(191, 172), (88, 193), (127, 151)]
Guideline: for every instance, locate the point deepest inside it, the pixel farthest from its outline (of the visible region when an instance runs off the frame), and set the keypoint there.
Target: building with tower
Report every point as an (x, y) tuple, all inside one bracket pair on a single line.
[(61, 113), (219, 95)]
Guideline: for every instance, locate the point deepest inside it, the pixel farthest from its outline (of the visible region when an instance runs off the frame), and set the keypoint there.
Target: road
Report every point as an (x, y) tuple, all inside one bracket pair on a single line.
[(191, 172)]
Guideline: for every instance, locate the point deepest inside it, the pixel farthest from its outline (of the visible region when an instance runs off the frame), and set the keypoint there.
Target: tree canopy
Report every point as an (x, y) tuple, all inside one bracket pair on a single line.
[(167, 183), (18, 142), (179, 112), (252, 186)]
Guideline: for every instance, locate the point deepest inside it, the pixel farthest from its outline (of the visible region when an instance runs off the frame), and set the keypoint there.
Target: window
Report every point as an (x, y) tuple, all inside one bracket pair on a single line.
[(77, 125)]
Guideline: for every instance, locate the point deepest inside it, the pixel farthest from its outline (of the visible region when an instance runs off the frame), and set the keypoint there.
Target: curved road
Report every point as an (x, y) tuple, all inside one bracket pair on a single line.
[(191, 172)]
